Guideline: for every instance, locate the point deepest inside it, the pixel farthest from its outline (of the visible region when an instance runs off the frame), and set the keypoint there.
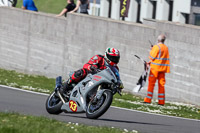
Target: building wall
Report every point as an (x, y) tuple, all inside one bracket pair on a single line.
[(146, 9), (162, 11), (5, 3), (194, 10), (181, 8), (43, 44)]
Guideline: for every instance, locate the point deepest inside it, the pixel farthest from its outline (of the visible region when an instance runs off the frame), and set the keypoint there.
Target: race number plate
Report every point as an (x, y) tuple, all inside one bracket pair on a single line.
[(73, 105)]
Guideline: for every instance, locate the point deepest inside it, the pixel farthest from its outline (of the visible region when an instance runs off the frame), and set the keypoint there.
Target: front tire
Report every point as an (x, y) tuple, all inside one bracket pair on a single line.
[(98, 108), (53, 104)]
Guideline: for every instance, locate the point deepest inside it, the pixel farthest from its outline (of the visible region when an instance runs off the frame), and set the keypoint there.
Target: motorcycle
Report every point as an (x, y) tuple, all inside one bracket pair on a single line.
[(93, 95)]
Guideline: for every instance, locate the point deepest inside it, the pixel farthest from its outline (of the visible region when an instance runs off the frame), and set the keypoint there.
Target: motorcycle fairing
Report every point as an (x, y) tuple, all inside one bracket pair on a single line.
[(81, 90)]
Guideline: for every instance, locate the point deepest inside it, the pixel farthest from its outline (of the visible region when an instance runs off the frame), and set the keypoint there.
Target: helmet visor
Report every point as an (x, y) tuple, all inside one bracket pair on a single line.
[(114, 59)]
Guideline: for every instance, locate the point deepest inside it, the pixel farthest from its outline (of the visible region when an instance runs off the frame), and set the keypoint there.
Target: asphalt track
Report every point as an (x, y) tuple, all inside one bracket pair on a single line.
[(25, 102)]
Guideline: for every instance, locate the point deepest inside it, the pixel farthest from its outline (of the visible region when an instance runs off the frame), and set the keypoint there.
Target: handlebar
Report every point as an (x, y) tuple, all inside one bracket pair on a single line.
[(94, 71)]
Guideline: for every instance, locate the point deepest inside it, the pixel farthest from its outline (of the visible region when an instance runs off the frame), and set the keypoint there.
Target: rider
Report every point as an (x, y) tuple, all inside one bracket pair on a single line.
[(111, 56)]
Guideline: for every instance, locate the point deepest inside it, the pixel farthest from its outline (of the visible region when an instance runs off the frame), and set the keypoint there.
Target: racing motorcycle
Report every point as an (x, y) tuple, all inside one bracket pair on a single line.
[(93, 95)]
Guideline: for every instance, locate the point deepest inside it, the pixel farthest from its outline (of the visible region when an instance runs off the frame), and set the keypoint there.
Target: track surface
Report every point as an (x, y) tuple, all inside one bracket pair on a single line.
[(14, 100)]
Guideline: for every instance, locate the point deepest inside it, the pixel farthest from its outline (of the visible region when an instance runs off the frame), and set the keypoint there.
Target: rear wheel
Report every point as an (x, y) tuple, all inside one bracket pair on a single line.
[(53, 104), (97, 108)]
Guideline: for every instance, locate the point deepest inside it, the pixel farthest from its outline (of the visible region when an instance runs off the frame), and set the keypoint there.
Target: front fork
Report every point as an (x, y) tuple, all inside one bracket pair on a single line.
[(60, 96), (99, 93), (58, 86)]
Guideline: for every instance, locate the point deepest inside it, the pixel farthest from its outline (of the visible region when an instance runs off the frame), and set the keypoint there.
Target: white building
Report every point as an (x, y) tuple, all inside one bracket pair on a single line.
[(94, 7), (183, 11), (8, 3)]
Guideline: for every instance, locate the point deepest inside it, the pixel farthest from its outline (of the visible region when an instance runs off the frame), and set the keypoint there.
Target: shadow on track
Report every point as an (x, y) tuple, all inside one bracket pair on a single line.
[(112, 120)]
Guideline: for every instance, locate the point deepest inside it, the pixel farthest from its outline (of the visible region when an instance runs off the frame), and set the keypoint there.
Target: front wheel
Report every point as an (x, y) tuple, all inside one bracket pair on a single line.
[(53, 104), (97, 108)]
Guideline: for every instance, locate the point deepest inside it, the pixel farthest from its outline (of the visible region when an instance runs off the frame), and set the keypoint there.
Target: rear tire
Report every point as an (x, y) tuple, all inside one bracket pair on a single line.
[(97, 109), (53, 104)]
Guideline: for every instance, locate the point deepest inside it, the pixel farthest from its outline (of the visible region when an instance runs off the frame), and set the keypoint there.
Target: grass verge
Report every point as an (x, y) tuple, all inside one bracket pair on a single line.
[(17, 123), (46, 85), (171, 108), (47, 6)]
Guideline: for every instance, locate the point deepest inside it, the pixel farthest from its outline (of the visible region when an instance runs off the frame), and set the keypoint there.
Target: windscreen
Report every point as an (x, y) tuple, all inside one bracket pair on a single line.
[(115, 71)]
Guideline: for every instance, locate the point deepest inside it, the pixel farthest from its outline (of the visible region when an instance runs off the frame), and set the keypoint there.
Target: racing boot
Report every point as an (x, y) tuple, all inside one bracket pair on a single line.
[(66, 88)]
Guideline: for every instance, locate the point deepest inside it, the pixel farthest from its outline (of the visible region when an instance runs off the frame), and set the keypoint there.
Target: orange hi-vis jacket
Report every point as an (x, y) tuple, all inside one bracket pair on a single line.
[(159, 56)]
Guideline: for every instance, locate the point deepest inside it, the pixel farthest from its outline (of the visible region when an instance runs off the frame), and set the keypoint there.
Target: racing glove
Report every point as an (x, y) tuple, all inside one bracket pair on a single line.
[(92, 68), (121, 86)]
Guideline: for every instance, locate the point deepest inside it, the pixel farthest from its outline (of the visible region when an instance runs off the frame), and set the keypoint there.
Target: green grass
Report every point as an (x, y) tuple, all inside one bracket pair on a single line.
[(171, 108), (25, 81), (46, 85), (48, 6), (17, 123)]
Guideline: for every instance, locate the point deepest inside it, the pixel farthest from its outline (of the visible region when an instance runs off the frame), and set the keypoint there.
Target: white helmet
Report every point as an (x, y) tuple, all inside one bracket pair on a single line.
[(112, 55)]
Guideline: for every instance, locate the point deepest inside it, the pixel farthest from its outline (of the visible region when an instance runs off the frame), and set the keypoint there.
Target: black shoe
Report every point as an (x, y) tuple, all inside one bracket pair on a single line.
[(66, 89)]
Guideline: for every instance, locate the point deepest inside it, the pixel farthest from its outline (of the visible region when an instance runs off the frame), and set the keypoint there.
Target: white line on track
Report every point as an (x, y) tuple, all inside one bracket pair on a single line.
[(13, 88)]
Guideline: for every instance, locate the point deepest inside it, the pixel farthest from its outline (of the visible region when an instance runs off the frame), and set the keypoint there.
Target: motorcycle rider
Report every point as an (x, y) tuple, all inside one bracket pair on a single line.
[(111, 56)]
